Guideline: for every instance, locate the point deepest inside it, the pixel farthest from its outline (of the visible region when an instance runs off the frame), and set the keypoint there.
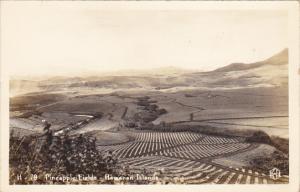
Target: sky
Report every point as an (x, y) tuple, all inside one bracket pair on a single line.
[(69, 39)]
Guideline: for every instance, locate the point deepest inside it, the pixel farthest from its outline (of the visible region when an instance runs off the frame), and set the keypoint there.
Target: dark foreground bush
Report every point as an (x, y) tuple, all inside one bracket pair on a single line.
[(34, 158)]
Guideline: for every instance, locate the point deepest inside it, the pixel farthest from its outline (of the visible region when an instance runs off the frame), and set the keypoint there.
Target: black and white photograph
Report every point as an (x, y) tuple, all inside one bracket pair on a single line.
[(105, 94)]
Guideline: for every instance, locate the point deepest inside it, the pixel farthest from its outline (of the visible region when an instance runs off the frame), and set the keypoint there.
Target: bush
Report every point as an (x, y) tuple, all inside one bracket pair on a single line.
[(64, 156), (277, 159), (162, 111), (259, 137), (281, 144)]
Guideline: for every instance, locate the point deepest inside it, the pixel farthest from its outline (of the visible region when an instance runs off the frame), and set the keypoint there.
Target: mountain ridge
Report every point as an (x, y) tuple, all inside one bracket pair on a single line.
[(280, 58), (271, 72)]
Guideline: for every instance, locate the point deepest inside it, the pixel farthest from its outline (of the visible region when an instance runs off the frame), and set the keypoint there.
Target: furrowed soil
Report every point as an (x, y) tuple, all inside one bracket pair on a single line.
[(202, 136)]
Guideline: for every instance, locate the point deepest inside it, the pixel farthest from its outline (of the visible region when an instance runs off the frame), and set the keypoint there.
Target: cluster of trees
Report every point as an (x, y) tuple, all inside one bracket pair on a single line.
[(149, 113)]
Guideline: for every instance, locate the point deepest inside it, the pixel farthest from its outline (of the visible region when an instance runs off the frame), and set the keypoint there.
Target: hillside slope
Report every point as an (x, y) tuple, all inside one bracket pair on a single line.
[(272, 72), (280, 58)]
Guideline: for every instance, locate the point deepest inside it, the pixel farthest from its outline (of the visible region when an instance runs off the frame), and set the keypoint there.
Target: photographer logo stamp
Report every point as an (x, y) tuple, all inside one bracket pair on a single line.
[(275, 173)]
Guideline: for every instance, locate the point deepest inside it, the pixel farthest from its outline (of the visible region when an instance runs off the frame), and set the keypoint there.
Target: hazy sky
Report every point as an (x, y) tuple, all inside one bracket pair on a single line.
[(43, 38)]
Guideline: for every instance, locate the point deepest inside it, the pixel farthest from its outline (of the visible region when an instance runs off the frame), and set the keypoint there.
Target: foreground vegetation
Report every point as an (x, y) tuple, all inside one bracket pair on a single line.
[(33, 158)]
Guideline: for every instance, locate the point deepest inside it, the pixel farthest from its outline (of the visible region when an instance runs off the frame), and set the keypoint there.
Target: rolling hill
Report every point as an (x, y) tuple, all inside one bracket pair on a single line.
[(280, 58), (272, 72)]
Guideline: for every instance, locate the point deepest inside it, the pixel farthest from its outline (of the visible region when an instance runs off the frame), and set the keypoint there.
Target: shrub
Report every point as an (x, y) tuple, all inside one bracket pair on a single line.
[(64, 156)]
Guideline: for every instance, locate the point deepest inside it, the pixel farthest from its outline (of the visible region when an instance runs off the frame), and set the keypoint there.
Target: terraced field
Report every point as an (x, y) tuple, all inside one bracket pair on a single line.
[(188, 155)]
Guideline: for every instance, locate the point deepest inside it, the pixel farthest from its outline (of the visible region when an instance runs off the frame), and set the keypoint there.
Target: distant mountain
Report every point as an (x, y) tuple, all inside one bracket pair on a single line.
[(280, 58), (160, 71), (267, 73)]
